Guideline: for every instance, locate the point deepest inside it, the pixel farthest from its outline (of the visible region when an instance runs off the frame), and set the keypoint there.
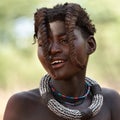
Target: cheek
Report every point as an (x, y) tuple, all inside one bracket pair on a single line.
[(41, 56), (43, 60), (81, 54)]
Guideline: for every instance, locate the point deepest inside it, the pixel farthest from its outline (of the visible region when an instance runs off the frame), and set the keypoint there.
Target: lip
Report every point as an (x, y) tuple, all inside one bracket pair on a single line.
[(57, 63)]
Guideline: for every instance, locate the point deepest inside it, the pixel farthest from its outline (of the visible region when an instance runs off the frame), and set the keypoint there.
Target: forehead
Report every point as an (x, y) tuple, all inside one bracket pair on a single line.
[(57, 27)]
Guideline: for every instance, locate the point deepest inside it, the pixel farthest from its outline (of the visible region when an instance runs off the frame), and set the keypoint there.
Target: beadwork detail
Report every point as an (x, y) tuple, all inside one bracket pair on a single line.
[(67, 113), (70, 97)]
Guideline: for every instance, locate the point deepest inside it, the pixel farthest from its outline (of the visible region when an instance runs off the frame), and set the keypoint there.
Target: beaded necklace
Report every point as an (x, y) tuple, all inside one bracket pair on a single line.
[(69, 98), (67, 113)]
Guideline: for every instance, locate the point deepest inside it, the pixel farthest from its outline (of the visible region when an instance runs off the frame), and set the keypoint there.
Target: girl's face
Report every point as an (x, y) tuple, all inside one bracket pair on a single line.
[(59, 52)]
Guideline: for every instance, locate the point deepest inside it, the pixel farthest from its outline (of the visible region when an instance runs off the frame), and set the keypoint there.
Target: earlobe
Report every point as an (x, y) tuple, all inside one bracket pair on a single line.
[(91, 44)]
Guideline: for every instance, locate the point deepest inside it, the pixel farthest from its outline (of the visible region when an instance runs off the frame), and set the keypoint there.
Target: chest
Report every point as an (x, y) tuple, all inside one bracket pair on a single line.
[(43, 113)]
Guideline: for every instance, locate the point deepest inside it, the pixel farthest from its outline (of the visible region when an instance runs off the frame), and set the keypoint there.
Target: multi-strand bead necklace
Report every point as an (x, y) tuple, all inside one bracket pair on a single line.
[(67, 113), (69, 100)]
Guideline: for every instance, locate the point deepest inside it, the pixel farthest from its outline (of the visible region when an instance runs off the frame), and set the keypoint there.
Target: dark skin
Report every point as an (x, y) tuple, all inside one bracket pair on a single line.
[(29, 105)]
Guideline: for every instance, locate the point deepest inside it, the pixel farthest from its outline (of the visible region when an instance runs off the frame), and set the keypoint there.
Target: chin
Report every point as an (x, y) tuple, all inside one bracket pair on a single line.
[(57, 76)]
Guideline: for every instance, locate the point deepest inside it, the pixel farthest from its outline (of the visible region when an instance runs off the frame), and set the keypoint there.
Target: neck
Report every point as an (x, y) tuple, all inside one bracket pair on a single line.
[(68, 112), (74, 86)]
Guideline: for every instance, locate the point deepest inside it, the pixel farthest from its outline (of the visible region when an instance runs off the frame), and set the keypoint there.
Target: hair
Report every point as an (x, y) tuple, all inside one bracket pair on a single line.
[(72, 14)]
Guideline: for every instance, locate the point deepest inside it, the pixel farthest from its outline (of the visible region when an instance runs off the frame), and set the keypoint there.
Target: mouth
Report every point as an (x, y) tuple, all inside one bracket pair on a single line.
[(56, 64)]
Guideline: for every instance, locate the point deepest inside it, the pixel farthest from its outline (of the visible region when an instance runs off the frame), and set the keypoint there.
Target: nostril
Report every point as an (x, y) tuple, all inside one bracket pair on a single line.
[(54, 48)]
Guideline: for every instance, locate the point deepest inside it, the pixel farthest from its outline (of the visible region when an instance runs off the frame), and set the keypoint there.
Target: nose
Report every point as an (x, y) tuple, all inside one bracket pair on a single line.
[(54, 48)]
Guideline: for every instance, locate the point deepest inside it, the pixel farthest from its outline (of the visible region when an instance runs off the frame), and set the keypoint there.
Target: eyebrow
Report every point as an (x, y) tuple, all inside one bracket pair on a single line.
[(59, 35)]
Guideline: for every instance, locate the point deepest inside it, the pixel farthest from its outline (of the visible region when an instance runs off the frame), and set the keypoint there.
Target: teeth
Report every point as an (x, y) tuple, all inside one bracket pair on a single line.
[(56, 62)]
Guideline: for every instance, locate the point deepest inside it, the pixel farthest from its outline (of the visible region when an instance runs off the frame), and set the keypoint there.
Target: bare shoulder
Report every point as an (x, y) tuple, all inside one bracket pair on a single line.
[(25, 97), (111, 94), (20, 103), (112, 99)]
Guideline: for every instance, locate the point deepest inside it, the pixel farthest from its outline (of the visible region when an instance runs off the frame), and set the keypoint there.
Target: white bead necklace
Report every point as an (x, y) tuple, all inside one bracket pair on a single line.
[(67, 113)]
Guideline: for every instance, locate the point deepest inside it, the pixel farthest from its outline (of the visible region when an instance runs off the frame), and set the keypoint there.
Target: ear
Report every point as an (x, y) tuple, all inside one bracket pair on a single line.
[(91, 45)]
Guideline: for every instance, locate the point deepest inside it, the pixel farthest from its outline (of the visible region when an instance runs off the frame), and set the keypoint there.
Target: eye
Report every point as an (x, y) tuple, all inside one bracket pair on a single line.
[(63, 40)]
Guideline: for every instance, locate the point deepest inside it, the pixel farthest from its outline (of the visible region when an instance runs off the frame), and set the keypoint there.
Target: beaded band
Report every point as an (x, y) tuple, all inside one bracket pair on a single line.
[(62, 111), (54, 91)]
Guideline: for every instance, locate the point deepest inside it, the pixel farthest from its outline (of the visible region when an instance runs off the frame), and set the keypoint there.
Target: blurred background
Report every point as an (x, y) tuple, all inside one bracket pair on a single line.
[(20, 69)]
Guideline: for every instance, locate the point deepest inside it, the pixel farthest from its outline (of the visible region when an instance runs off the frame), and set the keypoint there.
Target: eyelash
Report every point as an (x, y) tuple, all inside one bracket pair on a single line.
[(63, 40)]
